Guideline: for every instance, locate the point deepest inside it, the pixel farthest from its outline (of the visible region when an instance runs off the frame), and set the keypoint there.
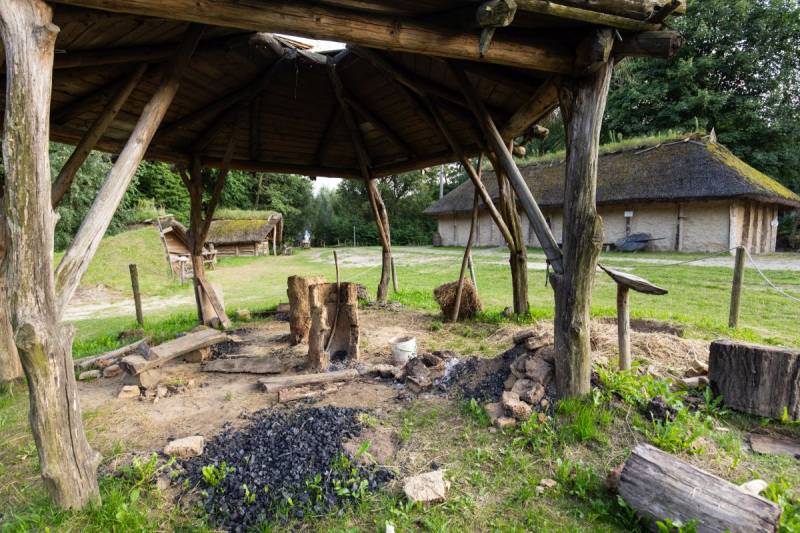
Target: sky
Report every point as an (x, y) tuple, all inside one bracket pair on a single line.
[(325, 183)]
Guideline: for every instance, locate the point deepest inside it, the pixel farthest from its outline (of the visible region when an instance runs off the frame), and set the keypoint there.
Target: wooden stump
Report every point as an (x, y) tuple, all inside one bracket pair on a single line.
[(659, 486), (761, 380), (299, 310), (210, 316), (323, 303)]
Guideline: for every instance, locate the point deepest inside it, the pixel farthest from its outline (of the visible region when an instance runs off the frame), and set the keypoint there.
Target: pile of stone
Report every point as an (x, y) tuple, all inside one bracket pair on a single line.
[(529, 385)]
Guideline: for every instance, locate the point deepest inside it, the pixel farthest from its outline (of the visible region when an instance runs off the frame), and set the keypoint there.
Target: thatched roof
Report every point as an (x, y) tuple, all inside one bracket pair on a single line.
[(278, 102), (243, 226), (680, 170)]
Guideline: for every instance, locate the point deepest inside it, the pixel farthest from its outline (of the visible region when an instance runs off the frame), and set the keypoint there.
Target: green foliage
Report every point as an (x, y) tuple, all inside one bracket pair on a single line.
[(214, 474), (475, 411), (669, 526), (536, 433), (780, 492), (159, 184), (678, 434), (582, 420)]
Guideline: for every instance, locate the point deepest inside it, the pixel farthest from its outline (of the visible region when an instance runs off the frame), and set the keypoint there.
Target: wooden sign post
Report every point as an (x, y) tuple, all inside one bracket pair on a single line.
[(137, 296), (625, 282)]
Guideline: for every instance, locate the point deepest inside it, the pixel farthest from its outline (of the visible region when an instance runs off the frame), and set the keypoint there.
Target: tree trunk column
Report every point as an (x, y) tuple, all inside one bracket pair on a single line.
[(382, 221), (583, 102), (10, 366), (518, 257), (68, 463)]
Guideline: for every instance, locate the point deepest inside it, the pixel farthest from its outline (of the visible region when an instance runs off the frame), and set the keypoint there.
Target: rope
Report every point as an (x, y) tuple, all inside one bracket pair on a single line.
[(652, 265), (768, 281)]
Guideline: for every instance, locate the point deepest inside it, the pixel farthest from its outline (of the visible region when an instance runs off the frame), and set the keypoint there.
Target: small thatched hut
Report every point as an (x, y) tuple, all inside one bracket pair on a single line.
[(246, 233), (691, 194), (177, 247)]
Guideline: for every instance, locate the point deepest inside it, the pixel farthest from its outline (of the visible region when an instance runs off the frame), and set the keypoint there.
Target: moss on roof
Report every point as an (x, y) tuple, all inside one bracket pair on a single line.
[(687, 169), (244, 214), (232, 226)]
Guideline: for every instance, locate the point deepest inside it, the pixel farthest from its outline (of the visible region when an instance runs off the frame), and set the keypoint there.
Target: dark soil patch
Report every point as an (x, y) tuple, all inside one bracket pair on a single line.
[(284, 464), (647, 325), (225, 349)]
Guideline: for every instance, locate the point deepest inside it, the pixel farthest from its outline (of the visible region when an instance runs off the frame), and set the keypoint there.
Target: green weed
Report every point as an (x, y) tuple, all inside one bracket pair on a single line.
[(475, 412), (213, 475), (580, 420)]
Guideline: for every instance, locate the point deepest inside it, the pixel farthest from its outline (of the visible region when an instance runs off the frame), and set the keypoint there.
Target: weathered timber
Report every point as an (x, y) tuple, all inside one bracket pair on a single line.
[(633, 281), (245, 365), (165, 352), (760, 380), (68, 464), (659, 486), (299, 309), (583, 102), (382, 221), (299, 393), (93, 134), (554, 9), (274, 384), (77, 257), (138, 346), (633, 9), (506, 161), (467, 252), (137, 295), (374, 30), (10, 365), (334, 324), (658, 44), (541, 103), (496, 13), (736, 288)]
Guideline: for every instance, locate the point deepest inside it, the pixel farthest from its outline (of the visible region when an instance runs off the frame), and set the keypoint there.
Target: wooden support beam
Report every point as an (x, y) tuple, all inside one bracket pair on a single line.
[(632, 9), (368, 29), (78, 255), (112, 56), (373, 119), (657, 44), (86, 102), (245, 94), (93, 134), (467, 253), (524, 195), (555, 9), (541, 103), (255, 128), (582, 105), (67, 462), (323, 144)]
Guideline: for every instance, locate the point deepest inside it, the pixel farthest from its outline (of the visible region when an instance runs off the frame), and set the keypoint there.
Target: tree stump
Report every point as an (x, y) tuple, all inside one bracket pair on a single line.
[(325, 323), (760, 380), (659, 486), (299, 310)]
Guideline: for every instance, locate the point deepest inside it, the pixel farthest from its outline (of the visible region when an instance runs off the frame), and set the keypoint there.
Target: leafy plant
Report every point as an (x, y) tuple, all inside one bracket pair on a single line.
[(669, 526), (780, 493), (476, 412), (213, 475), (580, 420), (536, 432), (678, 434)]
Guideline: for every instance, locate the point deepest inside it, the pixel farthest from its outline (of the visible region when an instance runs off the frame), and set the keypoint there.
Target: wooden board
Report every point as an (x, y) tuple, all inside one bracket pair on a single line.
[(274, 384), (659, 486), (633, 282), (774, 445), (163, 353), (245, 365)]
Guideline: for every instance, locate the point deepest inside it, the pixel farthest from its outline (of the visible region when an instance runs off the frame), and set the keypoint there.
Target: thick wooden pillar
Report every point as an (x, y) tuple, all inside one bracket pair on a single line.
[(83, 247), (382, 222), (583, 102), (67, 461)]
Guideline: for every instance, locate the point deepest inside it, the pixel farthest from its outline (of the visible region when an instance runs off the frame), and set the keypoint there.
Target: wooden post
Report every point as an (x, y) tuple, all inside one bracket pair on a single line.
[(736, 288), (583, 102), (394, 276), (10, 365), (68, 464), (137, 297), (623, 327), (471, 266), (467, 256), (83, 247)]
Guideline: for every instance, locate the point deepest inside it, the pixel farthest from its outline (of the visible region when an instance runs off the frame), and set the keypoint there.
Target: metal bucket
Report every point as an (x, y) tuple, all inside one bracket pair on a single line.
[(404, 348)]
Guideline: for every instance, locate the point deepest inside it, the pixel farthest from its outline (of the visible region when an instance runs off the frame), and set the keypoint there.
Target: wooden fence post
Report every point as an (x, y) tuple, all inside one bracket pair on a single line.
[(623, 327), (137, 296), (736, 288), (394, 276)]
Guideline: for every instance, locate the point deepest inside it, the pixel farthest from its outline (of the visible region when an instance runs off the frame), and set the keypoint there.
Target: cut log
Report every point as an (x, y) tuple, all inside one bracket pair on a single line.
[(299, 393), (760, 380), (274, 384), (299, 311), (334, 324), (775, 445), (140, 346), (659, 486), (163, 353), (245, 365)]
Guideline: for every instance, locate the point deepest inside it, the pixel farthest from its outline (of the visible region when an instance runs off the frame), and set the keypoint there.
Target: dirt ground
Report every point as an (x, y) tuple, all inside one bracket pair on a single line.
[(205, 401)]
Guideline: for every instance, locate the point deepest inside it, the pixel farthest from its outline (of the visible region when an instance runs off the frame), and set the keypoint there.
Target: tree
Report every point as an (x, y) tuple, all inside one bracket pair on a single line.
[(737, 73)]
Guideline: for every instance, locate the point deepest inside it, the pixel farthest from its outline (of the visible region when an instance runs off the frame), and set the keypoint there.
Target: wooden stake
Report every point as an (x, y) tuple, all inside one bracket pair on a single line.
[(467, 254), (736, 288), (77, 257), (137, 297), (67, 462), (623, 327), (472, 274)]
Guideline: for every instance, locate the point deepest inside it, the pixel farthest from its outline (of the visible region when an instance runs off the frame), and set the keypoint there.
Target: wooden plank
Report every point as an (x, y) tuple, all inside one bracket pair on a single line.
[(543, 101), (299, 393), (245, 365), (374, 30), (165, 352), (659, 486), (140, 346), (274, 384), (632, 281)]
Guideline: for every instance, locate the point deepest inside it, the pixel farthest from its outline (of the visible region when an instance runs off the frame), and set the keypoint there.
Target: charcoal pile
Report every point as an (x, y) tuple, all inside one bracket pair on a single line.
[(480, 378), (284, 465)]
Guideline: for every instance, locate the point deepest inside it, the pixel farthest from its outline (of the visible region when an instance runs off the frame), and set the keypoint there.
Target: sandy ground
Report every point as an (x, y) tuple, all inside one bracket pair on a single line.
[(205, 401)]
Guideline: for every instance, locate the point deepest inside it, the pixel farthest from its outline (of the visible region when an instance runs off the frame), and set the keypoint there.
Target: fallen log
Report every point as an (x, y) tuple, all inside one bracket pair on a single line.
[(299, 393), (760, 380), (140, 346), (244, 365), (659, 486), (774, 445), (165, 352), (274, 384)]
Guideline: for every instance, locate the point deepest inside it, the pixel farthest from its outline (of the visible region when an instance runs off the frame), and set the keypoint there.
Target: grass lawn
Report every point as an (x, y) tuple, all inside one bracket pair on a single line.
[(494, 474)]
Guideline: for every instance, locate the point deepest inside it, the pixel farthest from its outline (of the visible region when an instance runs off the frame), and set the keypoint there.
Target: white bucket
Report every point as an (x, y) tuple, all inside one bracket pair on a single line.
[(403, 349)]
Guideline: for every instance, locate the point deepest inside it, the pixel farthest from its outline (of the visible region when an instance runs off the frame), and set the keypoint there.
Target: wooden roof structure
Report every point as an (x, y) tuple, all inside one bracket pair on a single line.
[(282, 104)]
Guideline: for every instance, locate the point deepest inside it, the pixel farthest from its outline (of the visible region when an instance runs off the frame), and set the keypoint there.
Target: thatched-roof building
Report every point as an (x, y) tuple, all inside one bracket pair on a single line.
[(177, 247), (248, 233), (693, 195)]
